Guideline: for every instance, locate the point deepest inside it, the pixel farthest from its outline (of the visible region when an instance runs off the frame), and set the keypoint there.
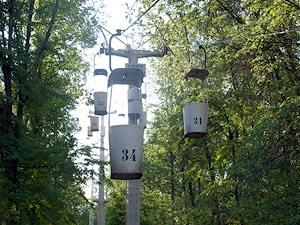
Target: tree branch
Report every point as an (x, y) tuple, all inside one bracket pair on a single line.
[(234, 16), (291, 3), (42, 48)]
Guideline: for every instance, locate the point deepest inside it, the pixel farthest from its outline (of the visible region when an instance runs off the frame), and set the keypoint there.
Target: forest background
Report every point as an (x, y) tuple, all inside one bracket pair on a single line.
[(244, 171)]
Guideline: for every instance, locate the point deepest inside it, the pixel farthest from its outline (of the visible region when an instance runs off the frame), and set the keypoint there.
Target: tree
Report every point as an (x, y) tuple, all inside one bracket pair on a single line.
[(115, 208), (235, 174), (42, 75)]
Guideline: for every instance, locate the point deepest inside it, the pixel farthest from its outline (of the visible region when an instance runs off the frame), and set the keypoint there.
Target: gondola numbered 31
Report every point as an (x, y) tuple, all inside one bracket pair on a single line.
[(195, 114)]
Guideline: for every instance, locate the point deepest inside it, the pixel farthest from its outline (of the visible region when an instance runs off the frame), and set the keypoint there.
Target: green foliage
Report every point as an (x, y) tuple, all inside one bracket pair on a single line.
[(42, 74), (246, 169), (115, 208)]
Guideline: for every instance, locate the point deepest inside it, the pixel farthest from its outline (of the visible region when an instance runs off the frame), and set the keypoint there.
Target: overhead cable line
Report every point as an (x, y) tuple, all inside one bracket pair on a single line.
[(210, 43), (110, 34), (167, 46), (132, 24), (143, 43), (253, 37), (250, 37), (131, 9), (105, 39), (123, 31), (218, 42), (127, 15)]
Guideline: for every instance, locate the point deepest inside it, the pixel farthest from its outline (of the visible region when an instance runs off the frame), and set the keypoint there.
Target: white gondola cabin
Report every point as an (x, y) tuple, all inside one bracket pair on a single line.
[(89, 131), (195, 114), (94, 123), (100, 92), (126, 136)]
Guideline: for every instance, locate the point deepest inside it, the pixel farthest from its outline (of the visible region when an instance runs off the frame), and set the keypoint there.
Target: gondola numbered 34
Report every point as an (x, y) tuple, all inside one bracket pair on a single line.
[(126, 140)]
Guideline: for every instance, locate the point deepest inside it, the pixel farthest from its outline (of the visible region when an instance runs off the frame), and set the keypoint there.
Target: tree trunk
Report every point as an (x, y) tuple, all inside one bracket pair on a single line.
[(172, 159)]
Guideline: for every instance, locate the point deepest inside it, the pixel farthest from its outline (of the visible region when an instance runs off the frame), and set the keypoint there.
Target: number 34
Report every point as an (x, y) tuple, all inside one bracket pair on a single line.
[(128, 155)]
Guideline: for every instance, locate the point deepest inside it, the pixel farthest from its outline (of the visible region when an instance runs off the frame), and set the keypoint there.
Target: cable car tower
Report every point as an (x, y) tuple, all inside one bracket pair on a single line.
[(122, 149)]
